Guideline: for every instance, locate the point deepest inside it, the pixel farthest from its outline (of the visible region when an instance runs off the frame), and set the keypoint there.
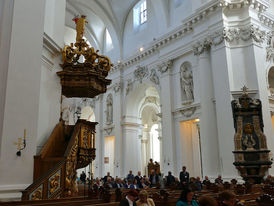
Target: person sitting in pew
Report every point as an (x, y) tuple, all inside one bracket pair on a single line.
[(207, 201), (206, 181), (219, 180), (170, 179), (144, 200), (143, 185), (130, 198), (227, 198), (118, 183), (186, 199), (134, 185)]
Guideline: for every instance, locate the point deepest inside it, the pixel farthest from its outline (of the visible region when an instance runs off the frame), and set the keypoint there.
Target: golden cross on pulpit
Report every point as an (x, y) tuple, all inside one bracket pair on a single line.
[(21, 144)]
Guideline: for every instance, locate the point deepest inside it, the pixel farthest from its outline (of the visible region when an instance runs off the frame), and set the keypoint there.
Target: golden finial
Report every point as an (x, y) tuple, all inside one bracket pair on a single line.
[(80, 27)]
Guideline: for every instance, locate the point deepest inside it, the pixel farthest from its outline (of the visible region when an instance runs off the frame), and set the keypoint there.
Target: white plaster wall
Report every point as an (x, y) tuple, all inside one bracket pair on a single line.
[(133, 40), (179, 11), (6, 14), (22, 95), (54, 20), (50, 87)]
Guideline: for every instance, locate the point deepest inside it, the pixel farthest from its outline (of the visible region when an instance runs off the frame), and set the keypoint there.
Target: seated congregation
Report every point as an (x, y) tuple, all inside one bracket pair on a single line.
[(157, 189)]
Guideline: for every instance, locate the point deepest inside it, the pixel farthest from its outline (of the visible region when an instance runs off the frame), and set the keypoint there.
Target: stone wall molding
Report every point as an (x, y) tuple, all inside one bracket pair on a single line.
[(258, 5)]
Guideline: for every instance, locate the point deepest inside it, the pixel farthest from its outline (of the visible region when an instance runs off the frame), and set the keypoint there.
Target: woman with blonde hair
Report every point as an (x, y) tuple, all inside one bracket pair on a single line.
[(144, 200)]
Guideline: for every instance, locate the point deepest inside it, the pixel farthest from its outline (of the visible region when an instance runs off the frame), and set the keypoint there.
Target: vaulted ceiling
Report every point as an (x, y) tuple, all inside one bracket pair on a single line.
[(101, 14)]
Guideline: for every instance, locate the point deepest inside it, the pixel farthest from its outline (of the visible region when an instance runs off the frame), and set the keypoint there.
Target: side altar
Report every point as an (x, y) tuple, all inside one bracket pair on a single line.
[(251, 153)]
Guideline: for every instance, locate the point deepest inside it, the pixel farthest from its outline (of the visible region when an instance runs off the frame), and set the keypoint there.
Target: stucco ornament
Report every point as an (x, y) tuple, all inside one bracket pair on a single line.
[(140, 73), (217, 38), (165, 66), (270, 46), (186, 80), (117, 87), (202, 46), (244, 34), (109, 111), (154, 77)]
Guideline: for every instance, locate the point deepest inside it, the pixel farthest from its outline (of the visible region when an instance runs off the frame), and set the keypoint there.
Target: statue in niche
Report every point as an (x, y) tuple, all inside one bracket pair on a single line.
[(109, 111), (186, 83), (248, 140)]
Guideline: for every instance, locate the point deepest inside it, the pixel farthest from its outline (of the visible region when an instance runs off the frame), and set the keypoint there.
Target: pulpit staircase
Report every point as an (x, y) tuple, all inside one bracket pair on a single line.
[(68, 149)]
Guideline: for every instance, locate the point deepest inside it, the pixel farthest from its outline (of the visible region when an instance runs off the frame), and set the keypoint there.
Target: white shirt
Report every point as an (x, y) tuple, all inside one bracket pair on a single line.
[(129, 201)]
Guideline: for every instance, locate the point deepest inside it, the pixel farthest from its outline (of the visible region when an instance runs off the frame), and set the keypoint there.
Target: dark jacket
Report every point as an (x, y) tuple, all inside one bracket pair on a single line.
[(151, 178), (124, 202), (170, 179), (184, 177), (139, 181)]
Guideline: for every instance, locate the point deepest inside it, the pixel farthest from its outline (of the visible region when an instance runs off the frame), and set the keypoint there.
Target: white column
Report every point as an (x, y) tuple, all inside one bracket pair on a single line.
[(131, 148), (22, 93), (168, 139), (208, 128), (224, 116), (144, 155), (99, 138)]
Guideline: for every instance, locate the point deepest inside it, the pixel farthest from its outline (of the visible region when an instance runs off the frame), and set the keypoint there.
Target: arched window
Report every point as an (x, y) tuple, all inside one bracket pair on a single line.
[(140, 13)]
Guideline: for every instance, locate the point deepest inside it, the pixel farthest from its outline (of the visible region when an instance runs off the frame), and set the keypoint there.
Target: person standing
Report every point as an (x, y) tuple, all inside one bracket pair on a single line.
[(184, 178), (83, 177)]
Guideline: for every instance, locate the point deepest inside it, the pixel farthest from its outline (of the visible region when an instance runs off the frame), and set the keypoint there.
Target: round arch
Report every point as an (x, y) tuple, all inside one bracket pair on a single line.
[(137, 97)]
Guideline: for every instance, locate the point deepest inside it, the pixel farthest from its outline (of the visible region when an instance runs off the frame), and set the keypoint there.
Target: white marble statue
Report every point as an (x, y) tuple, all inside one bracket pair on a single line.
[(109, 112), (186, 80)]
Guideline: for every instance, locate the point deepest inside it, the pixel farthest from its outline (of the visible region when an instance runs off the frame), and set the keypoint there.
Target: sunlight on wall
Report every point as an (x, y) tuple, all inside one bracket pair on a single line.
[(155, 146)]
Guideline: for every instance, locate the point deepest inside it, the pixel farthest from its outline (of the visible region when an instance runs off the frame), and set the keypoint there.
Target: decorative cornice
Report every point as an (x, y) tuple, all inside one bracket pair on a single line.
[(51, 46), (202, 13), (258, 5), (175, 34), (189, 110), (47, 62), (266, 19), (244, 33)]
